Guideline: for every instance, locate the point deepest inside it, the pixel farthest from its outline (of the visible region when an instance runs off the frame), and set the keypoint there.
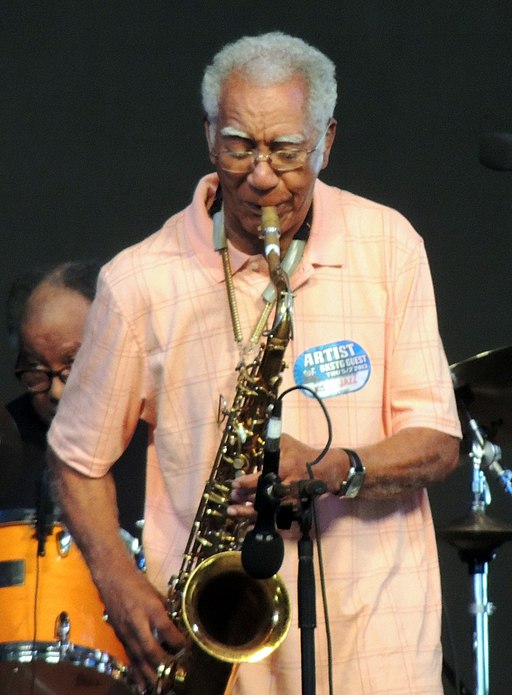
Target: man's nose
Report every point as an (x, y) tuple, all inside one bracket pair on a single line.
[(56, 388), (262, 176)]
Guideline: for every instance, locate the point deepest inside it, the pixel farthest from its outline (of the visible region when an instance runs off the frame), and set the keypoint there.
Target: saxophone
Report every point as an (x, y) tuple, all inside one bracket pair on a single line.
[(229, 616)]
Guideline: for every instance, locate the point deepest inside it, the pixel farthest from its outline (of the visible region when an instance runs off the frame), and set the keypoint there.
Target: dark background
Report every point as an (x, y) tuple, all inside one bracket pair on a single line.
[(101, 141)]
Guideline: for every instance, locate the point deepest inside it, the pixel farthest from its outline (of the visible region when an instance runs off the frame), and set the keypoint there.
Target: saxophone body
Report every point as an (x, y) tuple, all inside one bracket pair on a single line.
[(229, 616)]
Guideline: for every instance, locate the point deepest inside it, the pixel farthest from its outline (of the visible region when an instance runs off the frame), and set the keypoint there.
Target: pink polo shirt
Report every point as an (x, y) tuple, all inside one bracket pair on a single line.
[(159, 345)]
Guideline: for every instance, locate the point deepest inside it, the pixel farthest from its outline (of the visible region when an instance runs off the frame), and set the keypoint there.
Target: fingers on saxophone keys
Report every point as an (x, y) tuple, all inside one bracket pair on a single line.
[(242, 496), (163, 676), (242, 511), (149, 663), (165, 668), (153, 679), (168, 673)]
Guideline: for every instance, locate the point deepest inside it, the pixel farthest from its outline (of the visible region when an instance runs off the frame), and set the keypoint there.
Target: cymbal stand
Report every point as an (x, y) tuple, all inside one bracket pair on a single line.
[(479, 568), (485, 456)]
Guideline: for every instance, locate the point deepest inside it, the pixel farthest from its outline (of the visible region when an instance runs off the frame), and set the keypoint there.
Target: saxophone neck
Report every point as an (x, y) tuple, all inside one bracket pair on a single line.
[(271, 235), (284, 306), (271, 241)]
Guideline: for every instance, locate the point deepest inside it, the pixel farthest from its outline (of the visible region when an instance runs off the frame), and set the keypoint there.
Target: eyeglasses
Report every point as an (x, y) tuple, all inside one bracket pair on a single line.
[(242, 161), (39, 379)]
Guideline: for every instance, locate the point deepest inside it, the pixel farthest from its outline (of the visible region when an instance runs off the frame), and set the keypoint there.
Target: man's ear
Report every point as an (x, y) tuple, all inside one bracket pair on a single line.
[(329, 140)]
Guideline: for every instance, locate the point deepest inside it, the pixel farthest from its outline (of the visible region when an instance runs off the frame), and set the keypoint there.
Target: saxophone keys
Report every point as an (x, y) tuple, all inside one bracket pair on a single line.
[(227, 538), (241, 433), (214, 498), (240, 463), (216, 514), (222, 488), (222, 409)]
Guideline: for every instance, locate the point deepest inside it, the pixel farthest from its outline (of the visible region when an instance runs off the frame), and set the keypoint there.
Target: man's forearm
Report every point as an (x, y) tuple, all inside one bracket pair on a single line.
[(411, 459), (89, 510)]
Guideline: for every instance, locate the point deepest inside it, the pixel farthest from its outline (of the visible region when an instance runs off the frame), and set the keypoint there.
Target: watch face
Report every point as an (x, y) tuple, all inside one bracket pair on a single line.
[(354, 483), (355, 477)]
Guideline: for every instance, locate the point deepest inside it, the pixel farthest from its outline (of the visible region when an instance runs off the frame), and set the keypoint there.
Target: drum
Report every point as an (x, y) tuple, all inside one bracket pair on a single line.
[(54, 639)]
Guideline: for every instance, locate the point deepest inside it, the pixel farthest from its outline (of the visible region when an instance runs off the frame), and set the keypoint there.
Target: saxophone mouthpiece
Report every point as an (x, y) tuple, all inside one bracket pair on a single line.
[(271, 231)]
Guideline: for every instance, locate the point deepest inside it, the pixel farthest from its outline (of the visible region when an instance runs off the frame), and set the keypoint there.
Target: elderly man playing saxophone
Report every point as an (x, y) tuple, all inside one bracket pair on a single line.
[(161, 345)]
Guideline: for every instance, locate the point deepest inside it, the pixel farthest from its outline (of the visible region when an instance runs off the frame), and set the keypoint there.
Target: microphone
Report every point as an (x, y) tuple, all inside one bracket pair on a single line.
[(496, 151), (263, 547)]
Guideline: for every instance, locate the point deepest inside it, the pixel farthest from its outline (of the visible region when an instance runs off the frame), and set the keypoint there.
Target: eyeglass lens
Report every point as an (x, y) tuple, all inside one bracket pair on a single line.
[(40, 380), (280, 160)]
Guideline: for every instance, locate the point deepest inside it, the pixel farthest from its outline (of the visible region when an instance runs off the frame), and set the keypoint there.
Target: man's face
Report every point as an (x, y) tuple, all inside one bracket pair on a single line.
[(51, 335), (265, 119)]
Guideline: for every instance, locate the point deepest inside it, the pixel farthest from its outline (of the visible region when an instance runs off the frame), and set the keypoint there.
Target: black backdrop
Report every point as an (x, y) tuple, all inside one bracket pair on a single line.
[(101, 140)]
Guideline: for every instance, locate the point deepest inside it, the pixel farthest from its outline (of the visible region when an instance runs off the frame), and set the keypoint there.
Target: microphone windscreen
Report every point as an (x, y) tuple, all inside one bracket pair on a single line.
[(496, 151), (262, 554)]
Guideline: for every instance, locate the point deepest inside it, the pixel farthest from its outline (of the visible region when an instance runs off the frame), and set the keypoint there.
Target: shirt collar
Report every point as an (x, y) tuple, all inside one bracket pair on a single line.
[(325, 245)]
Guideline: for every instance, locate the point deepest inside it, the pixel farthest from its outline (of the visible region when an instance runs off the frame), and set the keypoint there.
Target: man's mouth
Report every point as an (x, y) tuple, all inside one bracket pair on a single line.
[(256, 207)]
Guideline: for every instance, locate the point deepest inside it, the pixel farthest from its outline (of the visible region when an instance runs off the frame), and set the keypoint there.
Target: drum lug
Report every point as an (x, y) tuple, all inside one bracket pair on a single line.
[(63, 628), (64, 543)]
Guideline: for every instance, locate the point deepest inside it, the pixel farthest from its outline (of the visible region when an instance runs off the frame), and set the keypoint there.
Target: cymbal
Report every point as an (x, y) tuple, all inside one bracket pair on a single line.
[(483, 386), (476, 532), (11, 450)]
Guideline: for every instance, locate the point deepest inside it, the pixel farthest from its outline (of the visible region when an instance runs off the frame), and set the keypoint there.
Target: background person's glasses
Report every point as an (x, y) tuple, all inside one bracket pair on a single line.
[(39, 379)]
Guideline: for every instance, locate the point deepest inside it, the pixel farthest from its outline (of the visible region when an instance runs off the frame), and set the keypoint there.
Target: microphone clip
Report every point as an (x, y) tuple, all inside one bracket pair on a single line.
[(304, 492), (266, 500)]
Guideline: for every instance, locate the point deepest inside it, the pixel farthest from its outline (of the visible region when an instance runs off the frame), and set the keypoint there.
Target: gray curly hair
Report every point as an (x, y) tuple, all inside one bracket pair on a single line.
[(270, 59)]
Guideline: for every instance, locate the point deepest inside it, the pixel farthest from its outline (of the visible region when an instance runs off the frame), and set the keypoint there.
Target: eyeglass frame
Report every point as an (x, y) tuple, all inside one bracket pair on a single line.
[(258, 157), (18, 372)]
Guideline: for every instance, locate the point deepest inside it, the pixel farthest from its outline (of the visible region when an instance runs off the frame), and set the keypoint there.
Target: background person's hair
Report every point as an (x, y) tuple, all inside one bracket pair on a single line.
[(79, 276), (270, 59)]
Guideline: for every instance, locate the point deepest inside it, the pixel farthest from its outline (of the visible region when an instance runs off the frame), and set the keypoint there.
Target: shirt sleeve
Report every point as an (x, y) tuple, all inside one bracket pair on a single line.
[(420, 385), (104, 395)]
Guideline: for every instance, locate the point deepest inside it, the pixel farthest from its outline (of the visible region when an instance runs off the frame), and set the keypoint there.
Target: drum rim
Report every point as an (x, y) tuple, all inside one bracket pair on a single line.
[(26, 651), (17, 515)]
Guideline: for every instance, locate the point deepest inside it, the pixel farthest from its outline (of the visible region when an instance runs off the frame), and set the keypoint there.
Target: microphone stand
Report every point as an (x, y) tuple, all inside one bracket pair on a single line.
[(306, 590), (44, 513)]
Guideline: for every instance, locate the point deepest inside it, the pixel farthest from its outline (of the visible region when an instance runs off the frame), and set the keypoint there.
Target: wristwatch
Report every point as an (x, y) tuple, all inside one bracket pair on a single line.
[(355, 476)]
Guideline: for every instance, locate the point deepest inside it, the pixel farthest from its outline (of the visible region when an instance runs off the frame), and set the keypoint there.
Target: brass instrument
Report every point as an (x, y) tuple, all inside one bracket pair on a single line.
[(230, 616)]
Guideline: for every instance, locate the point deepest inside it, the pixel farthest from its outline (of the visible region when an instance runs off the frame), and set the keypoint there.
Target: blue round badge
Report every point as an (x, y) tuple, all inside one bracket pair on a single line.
[(334, 369)]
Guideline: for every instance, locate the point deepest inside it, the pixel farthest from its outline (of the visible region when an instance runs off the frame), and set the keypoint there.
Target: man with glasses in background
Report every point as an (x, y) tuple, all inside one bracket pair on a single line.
[(46, 314), (161, 344)]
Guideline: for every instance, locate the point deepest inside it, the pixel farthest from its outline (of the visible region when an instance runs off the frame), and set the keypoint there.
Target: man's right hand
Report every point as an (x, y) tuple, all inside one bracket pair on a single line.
[(136, 611), (138, 614)]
